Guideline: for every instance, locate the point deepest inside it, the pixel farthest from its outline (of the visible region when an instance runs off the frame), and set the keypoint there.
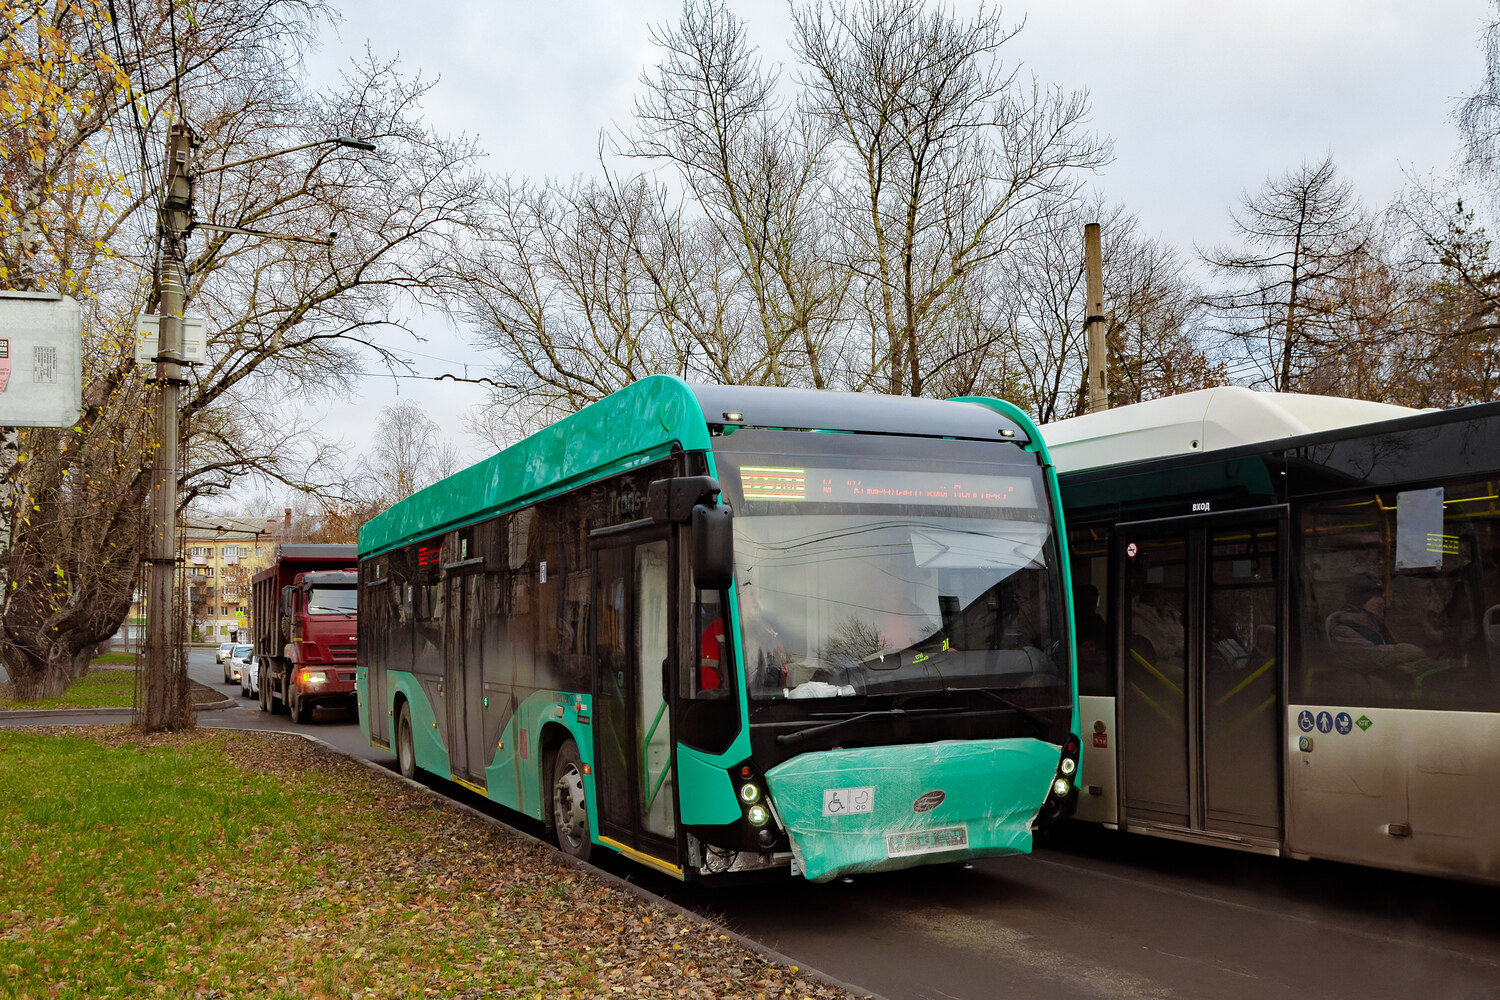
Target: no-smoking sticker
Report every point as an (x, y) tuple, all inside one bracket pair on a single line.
[(1130, 550)]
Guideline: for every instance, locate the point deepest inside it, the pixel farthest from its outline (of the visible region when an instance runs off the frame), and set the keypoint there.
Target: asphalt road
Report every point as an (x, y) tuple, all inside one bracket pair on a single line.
[(1091, 915)]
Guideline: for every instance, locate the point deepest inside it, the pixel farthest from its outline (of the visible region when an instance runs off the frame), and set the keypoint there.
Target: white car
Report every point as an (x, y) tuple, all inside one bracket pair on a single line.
[(250, 678), (239, 658), (222, 653)]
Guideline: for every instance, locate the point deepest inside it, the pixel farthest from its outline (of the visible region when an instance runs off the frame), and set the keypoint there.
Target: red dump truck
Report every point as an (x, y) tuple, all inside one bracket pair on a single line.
[(302, 613)]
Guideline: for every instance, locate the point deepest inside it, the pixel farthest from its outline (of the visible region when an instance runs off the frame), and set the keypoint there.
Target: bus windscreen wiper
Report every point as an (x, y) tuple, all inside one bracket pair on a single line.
[(1019, 709), (792, 739)]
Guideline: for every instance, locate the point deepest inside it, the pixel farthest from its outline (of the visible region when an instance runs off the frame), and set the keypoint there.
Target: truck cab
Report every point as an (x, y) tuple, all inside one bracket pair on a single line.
[(305, 608)]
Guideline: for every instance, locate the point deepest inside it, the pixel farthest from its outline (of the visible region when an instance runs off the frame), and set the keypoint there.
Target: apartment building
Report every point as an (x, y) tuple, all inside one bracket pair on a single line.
[(219, 556)]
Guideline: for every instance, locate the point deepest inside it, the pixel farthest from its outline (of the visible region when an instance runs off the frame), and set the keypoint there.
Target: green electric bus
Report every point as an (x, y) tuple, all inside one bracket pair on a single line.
[(726, 630)]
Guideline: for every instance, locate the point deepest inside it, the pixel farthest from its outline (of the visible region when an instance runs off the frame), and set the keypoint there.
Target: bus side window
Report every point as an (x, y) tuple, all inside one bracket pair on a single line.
[(709, 717), (711, 677)]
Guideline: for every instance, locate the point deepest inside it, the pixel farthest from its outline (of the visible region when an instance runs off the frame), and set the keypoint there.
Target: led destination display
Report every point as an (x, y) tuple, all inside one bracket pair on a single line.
[(759, 482)]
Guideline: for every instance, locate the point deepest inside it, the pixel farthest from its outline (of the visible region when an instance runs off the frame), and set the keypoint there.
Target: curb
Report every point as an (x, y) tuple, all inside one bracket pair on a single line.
[(226, 701), (771, 955)]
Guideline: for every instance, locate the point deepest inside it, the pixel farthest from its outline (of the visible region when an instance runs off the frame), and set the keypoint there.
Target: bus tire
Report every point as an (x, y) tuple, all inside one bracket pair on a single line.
[(406, 751), (570, 814)]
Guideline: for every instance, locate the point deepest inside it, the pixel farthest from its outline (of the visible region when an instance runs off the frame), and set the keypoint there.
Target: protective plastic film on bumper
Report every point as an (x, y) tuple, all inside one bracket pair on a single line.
[(883, 808)]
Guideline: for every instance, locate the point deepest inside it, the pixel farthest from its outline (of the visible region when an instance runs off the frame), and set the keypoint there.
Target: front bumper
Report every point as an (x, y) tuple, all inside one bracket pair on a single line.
[(884, 808)]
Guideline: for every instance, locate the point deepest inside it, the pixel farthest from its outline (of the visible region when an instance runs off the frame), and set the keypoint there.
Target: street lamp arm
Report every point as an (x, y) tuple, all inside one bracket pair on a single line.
[(322, 241), (343, 140)]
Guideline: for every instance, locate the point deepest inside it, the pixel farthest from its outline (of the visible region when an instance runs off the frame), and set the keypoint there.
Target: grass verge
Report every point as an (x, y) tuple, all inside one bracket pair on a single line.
[(113, 658), (106, 688), (95, 689), (234, 865)]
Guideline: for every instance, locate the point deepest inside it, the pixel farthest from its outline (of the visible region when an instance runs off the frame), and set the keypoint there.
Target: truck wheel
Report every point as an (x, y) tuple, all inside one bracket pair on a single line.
[(406, 754), (570, 813), (301, 711), (277, 705)]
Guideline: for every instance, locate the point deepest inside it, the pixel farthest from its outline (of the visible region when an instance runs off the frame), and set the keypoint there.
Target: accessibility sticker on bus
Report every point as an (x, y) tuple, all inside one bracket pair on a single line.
[(847, 801)]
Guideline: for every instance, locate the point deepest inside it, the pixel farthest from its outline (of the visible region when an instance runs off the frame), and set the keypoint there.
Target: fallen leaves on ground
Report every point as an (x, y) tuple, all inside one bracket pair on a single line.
[(329, 879)]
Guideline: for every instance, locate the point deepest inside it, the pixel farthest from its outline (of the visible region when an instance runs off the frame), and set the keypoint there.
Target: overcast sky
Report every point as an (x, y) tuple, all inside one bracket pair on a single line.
[(1203, 100)]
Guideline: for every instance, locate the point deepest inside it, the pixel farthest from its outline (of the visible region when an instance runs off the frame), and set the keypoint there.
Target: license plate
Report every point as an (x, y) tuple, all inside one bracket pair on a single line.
[(943, 838)]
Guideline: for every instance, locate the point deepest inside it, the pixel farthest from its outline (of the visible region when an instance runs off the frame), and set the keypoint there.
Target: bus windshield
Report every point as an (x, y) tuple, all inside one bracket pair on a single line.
[(869, 576)]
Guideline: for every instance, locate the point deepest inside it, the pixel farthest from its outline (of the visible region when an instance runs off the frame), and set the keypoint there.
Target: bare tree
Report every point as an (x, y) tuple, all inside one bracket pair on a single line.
[(408, 453), (1428, 305), (581, 289), (753, 169), (1023, 336), (283, 317), (1478, 117), (1302, 232), (947, 158)]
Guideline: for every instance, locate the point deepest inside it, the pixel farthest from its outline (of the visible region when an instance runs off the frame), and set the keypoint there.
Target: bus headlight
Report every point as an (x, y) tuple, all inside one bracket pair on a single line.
[(1069, 765), (749, 793), (758, 815), (1060, 788)]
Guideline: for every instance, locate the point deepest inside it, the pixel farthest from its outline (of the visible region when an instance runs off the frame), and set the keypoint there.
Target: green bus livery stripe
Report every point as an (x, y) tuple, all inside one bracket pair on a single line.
[(639, 422)]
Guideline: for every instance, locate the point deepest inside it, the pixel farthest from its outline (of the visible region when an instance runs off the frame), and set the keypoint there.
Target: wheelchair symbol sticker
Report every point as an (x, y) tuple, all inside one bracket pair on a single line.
[(848, 801), (1305, 721)]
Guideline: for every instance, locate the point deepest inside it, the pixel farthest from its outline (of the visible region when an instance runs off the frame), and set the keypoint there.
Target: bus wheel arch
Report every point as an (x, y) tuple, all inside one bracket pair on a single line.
[(566, 801), (549, 739)]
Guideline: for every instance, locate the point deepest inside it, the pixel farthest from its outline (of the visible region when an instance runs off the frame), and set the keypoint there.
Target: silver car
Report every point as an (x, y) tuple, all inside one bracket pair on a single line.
[(250, 678), (239, 658)]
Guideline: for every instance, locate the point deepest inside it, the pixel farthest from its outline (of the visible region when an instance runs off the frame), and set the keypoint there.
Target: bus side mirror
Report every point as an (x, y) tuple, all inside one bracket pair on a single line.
[(673, 500), (713, 547)]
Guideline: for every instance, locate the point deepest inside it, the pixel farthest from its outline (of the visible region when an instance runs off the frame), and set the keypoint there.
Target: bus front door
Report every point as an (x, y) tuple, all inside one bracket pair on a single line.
[(633, 769), (1201, 613)]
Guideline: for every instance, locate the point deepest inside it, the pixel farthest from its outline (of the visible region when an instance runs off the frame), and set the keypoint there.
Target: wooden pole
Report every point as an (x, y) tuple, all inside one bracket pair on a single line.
[(1094, 324)]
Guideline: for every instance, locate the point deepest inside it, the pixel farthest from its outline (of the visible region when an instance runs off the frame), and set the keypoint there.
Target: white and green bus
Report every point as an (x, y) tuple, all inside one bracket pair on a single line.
[(726, 630)]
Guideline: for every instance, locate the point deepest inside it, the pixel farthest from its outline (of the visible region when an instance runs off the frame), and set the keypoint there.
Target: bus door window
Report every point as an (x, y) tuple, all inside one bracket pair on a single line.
[(708, 713), (712, 656), (1154, 737), (611, 715), (1240, 698)]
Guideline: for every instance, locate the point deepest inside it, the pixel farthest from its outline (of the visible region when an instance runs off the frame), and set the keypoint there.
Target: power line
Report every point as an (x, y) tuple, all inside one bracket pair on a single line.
[(176, 61)]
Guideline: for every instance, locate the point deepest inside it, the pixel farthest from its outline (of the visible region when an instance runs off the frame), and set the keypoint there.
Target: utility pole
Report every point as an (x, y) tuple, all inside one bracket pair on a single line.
[(1094, 325), (162, 701)]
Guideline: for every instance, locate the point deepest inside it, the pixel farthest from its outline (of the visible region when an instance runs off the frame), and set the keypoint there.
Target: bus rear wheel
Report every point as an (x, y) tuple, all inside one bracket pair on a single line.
[(406, 754), (570, 814)]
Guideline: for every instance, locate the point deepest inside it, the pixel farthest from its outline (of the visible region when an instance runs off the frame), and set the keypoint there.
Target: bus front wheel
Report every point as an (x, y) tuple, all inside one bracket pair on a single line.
[(406, 754), (570, 814)]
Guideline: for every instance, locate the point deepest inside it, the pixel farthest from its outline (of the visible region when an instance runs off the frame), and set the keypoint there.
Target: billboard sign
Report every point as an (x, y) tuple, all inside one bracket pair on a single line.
[(41, 360)]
